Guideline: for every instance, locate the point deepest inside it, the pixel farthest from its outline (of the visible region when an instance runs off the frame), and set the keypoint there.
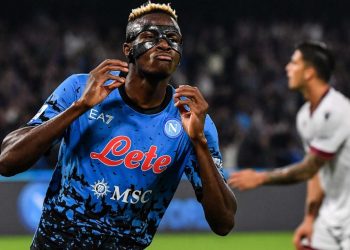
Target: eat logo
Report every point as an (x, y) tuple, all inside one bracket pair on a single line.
[(120, 146)]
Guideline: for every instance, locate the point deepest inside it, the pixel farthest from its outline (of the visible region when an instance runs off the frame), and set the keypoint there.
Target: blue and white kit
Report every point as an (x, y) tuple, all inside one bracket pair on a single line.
[(117, 171)]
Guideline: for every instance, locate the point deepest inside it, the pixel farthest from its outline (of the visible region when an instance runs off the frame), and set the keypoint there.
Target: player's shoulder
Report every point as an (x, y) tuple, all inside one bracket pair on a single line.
[(74, 84), (79, 79), (331, 113), (210, 128), (337, 101), (74, 81), (209, 123), (335, 104)]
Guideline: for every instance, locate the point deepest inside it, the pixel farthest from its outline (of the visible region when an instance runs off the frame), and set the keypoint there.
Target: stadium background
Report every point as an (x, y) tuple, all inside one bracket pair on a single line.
[(234, 51)]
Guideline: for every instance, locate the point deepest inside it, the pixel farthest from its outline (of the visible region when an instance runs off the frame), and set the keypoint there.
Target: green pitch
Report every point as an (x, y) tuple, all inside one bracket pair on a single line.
[(192, 241)]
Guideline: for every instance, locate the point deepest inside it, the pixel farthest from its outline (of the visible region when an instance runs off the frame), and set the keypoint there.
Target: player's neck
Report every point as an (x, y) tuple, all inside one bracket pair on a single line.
[(315, 92), (146, 92)]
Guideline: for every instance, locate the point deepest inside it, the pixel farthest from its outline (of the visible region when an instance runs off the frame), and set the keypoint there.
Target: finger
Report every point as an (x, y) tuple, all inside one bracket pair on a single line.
[(114, 85), (236, 176), (182, 88), (234, 179), (308, 238), (235, 183), (298, 244), (109, 62), (187, 87), (107, 68), (229, 180), (109, 79), (182, 109), (115, 62), (198, 104), (113, 77), (299, 236), (191, 103), (190, 91), (191, 107), (296, 240), (231, 183), (183, 102)]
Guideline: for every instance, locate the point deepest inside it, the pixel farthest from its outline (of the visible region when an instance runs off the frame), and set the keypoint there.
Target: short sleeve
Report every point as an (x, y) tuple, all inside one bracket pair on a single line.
[(58, 101), (192, 167), (330, 134)]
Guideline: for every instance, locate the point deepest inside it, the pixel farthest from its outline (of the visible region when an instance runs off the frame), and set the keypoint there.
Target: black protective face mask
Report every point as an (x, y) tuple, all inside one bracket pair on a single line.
[(170, 34)]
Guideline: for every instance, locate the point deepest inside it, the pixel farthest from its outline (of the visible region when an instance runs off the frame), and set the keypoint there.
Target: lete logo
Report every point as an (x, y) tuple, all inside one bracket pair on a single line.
[(120, 146)]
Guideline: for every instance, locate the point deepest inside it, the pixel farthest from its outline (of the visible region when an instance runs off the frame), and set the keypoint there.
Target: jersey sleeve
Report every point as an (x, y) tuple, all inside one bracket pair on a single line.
[(58, 101), (331, 133), (192, 167)]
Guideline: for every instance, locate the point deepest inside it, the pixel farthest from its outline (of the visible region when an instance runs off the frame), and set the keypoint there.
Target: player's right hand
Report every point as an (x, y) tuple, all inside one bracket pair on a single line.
[(304, 231), (95, 90), (246, 179)]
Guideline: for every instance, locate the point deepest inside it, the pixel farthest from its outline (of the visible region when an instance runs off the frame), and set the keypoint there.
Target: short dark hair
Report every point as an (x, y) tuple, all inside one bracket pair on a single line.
[(319, 56)]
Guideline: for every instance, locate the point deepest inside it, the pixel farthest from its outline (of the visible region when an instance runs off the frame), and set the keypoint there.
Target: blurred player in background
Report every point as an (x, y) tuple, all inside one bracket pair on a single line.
[(324, 126), (125, 144)]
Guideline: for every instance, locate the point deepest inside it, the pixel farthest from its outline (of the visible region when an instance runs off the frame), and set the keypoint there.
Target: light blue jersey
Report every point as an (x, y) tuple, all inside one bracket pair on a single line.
[(118, 167)]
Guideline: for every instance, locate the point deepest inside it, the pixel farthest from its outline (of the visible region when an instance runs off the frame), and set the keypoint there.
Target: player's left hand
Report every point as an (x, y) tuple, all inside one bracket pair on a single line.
[(246, 179), (192, 116)]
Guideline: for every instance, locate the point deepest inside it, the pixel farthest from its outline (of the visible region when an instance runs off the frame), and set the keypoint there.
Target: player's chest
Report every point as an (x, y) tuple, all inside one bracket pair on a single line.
[(309, 125), (132, 141)]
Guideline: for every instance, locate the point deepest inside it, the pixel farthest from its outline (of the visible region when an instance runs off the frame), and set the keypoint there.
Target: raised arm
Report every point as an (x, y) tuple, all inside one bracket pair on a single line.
[(218, 200), (23, 147)]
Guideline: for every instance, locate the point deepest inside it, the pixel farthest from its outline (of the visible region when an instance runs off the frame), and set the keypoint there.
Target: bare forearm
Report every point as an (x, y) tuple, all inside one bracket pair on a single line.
[(314, 197), (218, 200), (312, 208), (295, 173), (22, 148), (288, 175)]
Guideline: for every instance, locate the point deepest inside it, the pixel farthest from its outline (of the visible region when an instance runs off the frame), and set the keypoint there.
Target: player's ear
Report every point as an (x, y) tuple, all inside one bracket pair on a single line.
[(127, 50), (309, 73)]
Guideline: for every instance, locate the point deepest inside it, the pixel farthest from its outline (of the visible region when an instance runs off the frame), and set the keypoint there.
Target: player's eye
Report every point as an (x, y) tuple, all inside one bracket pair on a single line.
[(147, 35), (173, 37)]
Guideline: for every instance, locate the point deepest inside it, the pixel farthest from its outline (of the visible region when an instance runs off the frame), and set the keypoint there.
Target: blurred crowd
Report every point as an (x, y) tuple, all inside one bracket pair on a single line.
[(239, 67)]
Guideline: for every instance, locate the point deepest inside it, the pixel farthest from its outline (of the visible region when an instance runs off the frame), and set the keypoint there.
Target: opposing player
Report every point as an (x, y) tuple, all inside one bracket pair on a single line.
[(324, 125), (125, 143)]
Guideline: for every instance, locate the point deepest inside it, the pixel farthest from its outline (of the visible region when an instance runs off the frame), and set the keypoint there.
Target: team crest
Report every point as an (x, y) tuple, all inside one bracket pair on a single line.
[(173, 128)]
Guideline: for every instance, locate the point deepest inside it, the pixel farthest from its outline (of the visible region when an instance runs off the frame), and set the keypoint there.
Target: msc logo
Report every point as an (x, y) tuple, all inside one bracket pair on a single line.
[(100, 189), (120, 146), (131, 196), (173, 128)]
